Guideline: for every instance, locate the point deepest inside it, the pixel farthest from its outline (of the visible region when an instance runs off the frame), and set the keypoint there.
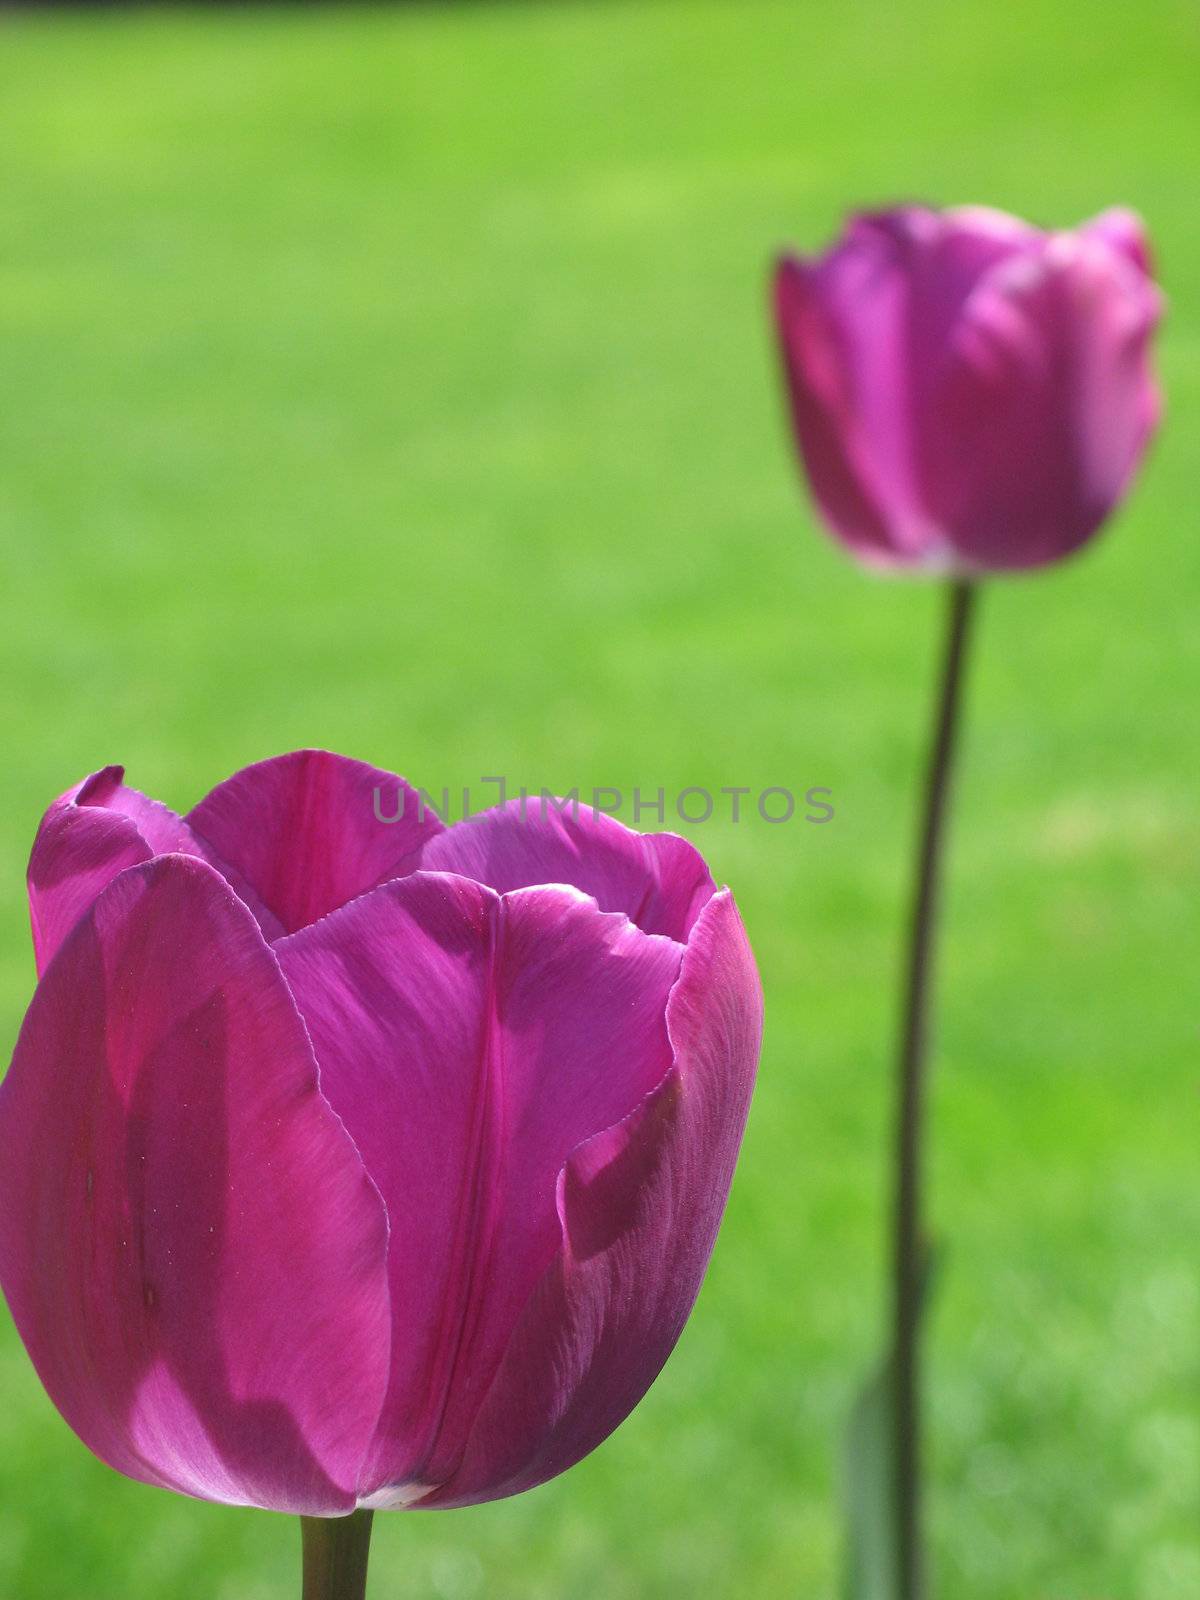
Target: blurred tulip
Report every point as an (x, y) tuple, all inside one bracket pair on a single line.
[(969, 393), (357, 1163)]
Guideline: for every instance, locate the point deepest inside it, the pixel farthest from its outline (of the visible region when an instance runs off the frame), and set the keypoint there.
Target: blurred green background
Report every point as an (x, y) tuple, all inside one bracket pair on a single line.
[(400, 381)]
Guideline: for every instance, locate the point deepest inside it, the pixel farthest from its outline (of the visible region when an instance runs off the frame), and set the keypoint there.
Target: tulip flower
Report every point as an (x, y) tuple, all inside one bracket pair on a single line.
[(970, 395), (349, 1163)]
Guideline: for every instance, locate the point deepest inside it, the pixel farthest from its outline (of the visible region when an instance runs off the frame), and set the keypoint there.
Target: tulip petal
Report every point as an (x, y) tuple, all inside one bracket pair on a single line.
[(938, 255), (639, 1207), (860, 328), (87, 836), (824, 399), (189, 1243), (469, 1042), (302, 832), (854, 325), (1043, 404), (657, 879), (1123, 231)]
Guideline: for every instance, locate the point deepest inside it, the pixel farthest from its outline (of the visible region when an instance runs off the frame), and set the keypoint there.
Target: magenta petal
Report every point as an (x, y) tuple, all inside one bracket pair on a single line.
[(824, 399), (934, 259), (302, 832), (640, 1205), (470, 1042), (1123, 231), (657, 879), (1044, 403), (861, 329), (191, 1248), (87, 836), (857, 328)]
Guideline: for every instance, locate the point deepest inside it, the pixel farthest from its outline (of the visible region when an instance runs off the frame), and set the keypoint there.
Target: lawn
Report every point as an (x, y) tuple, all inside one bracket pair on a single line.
[(399, 380)]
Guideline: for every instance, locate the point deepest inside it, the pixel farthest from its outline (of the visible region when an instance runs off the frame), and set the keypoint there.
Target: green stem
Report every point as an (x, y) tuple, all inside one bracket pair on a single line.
[(335, 1556), (908, 1263)]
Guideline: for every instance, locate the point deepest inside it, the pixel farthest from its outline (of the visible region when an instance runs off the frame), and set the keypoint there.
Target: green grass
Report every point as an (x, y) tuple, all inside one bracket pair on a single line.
[(399, 381)]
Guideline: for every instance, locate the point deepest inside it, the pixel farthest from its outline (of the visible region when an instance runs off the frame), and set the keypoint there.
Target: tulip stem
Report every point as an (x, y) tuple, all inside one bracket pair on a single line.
[(909, 1242), (335, 1556)]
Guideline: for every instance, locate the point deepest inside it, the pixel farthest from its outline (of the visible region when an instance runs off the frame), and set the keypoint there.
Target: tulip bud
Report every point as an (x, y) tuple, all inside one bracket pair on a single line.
[(353, 1163), (970, 393)]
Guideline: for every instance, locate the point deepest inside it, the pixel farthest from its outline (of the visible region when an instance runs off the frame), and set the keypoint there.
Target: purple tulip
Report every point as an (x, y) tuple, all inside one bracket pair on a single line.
[(347, 1162), (970, 393)]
